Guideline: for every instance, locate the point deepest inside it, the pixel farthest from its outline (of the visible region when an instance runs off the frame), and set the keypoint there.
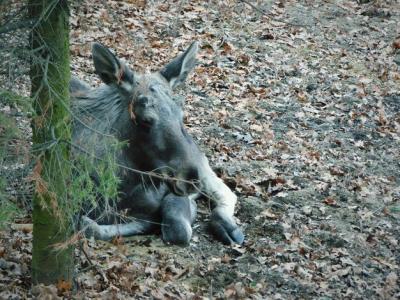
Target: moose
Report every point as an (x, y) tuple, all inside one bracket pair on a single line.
[(141, 111)]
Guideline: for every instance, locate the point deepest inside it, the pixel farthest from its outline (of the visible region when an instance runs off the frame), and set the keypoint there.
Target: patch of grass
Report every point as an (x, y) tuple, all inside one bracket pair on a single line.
[(8, 209), (8, 128), (10, 98), (8, 132)]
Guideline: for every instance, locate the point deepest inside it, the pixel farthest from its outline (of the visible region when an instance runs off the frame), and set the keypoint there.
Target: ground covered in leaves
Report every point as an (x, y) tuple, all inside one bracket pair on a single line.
[(297, 104)]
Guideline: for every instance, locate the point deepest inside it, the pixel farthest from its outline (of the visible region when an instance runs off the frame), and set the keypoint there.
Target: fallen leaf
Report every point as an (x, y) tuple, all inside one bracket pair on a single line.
[(330, 201), (63, 286), (396, 44)]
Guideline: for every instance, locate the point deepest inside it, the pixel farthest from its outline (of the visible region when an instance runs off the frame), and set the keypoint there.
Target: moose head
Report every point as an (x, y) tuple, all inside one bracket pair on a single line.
[(150, 117)]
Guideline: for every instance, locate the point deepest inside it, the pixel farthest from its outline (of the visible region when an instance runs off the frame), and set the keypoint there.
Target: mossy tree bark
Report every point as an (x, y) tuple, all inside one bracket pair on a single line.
[(50, 75)]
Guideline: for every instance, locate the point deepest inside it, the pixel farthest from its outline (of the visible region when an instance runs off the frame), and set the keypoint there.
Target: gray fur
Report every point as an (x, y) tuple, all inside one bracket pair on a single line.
[(178, 69), (140, 109)]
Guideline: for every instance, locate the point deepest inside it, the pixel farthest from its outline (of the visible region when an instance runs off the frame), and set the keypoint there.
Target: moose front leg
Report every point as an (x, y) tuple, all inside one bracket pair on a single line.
[(222, 223)]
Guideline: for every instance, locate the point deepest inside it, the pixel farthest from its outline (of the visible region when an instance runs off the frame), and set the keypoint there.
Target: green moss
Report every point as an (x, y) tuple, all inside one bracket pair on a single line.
[(50, 75)]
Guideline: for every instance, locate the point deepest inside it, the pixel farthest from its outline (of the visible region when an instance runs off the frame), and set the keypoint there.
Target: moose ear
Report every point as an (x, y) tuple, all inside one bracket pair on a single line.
[(109, 67), (178, 69)]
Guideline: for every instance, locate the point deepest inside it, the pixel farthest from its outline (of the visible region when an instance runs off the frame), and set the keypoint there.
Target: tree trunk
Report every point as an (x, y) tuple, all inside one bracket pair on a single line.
[(50, 75)]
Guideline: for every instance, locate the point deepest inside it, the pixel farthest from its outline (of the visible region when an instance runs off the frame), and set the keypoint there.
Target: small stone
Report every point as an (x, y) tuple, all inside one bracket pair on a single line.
[(307, 210), (311, 87), (3, 264)]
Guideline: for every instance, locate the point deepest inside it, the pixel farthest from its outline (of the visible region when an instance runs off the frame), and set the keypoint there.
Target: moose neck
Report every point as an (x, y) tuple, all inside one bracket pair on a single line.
[(110, 110)]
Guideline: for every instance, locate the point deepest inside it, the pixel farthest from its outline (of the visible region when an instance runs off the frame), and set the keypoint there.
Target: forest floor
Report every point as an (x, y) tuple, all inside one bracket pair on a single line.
[(297, 105)]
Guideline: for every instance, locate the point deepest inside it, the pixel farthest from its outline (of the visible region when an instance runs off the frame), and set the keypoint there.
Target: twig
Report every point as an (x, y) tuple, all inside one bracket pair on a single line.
[(89, 267), (86, 255), (263, 12), (92, 266)]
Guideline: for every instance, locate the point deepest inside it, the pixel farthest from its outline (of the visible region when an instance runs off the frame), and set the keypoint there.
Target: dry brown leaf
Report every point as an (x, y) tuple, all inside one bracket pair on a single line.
[(63, 286), (226, 48), (256, 127), (302, 96), (118, 240), (330, 201), (396, 43), (337, 171), (268, 214)]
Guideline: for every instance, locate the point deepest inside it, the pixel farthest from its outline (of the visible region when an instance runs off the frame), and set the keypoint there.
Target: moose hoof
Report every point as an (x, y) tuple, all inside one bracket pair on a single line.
[(225, 229), (176, 232)]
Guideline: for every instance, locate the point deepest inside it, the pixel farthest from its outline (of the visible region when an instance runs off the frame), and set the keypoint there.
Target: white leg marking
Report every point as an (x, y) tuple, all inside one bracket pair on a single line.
[(110, 231), (216, 189)]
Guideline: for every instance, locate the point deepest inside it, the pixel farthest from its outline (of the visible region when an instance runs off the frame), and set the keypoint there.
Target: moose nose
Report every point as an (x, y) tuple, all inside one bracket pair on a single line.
[(187, 184), (142, 100), (192, 174)]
